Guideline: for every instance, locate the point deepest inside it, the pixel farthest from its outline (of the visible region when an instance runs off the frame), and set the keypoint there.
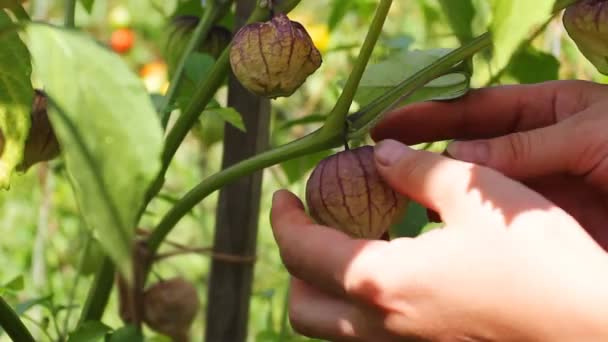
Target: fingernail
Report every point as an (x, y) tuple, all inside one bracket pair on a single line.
[(388, 152), (470, 151)]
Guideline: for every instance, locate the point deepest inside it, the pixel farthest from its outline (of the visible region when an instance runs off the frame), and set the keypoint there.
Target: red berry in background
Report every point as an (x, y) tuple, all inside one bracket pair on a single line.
[(122, 40)]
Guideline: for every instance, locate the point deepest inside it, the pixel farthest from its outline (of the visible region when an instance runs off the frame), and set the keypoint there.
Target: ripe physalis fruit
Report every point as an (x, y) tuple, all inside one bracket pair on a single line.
[(346, 192), (587, 24), (274, 58), (170, 307)]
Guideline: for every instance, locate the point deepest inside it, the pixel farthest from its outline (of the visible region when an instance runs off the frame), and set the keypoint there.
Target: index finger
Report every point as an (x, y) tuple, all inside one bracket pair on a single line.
[(490, 112)]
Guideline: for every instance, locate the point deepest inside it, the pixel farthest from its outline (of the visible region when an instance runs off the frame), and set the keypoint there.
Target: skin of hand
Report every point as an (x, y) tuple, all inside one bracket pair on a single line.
[(509, 264), (550, 136)]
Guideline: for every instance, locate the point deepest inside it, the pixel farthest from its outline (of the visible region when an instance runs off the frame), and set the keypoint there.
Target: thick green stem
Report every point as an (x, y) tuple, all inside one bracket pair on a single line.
[(361, 121), (198, 37), (337, 118), (14, 327), (99, 294), (312, 143), (70, 13), (317, 141)]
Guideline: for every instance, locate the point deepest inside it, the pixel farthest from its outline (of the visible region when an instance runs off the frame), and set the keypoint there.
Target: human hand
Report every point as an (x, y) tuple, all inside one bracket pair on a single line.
[(509, 265), (551, 136)]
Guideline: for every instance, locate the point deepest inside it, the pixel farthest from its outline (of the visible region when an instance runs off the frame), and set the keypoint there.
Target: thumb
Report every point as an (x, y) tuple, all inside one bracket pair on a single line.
[(460, 192), (521, 154)]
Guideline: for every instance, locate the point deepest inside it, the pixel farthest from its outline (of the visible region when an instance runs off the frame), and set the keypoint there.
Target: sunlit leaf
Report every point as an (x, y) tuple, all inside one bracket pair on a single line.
[(382, 77), (16, 284), (109, 132), (513, 22), (16, 96)]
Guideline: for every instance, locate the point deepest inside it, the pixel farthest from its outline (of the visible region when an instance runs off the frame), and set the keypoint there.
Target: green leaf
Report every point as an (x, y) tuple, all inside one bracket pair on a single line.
[(412, 223), (382, 77), (533, 66), (229, 115), (89, 331), (88, 4), (16, 96), (460, 15), (16, 284), (296, 168), (110, 135), (126, 334), (513, 22)]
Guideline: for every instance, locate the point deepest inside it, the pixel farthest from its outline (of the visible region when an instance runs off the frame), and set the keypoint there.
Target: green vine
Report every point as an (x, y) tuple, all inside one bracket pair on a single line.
[(14, 327)]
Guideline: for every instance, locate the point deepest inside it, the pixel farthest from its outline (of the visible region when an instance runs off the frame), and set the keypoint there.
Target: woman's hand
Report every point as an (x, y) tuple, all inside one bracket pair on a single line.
[(509, 265), (551, 136)]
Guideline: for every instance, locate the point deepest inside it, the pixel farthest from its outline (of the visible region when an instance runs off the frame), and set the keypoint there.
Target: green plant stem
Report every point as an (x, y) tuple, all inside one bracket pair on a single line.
[(72, 296), (198, 37), (309, 144), (203, 94), (12, 324), (70, 13), (361, 121), (337, 118), (315, 142), (99, 294)]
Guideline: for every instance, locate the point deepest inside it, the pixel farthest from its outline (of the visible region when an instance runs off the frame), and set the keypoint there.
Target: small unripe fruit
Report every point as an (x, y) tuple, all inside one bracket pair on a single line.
[(586, 21), (170, 307), (346, 192), (274, 58)]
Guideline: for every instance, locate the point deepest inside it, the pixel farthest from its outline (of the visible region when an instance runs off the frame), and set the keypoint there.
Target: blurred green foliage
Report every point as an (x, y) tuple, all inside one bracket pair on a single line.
[(43, 236)]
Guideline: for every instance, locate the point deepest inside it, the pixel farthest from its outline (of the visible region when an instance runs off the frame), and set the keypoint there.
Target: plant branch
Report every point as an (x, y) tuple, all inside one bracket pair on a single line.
[(362, 121), (99, 293), (12, 324), (70, 13), (308, 144), (314, 142), (337, 118)]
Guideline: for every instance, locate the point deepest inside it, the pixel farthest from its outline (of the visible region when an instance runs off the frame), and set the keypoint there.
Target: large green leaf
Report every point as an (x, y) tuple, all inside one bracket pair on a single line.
[(16, 96), (460, 15), (109, 132), (513, 21), (382, 77)]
